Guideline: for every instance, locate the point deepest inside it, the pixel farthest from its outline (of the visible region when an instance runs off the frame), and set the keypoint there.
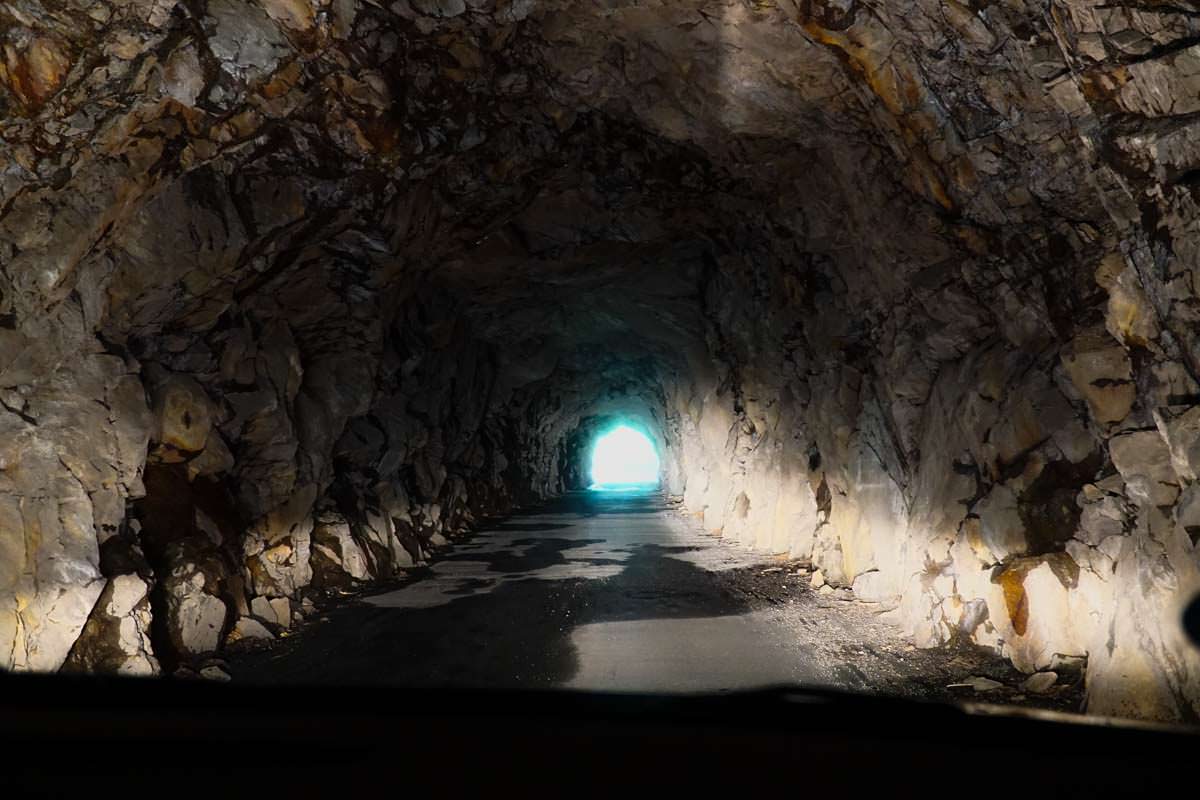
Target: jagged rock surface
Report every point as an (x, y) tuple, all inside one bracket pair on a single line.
[(290, 290)]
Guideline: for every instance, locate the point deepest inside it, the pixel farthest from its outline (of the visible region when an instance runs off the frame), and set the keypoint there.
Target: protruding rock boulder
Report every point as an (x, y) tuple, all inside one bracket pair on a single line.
[(1144, 461), (183, 418), (337, 557), (1100, 370), (278, 546), (1180, 429), (192, 588), (249, 629), (116, 638)]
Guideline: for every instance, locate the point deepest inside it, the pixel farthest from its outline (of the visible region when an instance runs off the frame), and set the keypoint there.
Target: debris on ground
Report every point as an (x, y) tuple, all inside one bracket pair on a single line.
[(1040, 682), (978, 683)]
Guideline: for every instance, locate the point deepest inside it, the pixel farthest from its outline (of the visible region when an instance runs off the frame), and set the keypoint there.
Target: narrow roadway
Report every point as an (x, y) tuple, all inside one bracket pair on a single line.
[(599, 590)]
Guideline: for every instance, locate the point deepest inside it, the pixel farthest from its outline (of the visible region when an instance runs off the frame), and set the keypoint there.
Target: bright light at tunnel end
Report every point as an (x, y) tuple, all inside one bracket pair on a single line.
[(624, 458)]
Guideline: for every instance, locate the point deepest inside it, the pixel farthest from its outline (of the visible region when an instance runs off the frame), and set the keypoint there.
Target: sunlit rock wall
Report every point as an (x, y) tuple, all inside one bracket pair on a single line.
[(987, 421)]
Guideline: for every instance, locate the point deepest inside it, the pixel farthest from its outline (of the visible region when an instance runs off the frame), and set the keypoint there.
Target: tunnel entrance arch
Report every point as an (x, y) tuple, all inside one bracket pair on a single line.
[(623, 456)]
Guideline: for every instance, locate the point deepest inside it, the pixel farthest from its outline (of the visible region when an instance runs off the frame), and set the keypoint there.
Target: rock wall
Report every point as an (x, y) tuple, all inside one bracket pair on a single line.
[(1028, 515), (292, 291), (217, 389), (983, 419)]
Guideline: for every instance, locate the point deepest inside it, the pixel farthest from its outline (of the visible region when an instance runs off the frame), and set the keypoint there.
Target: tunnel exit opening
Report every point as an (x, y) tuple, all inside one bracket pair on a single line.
[(624, 458)]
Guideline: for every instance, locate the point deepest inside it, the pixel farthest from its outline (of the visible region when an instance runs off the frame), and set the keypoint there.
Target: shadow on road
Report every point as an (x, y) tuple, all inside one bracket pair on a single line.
[(518, 633)]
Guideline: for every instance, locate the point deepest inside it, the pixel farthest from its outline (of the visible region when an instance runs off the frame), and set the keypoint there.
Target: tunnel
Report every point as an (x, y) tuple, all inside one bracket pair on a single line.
[(308, 300)]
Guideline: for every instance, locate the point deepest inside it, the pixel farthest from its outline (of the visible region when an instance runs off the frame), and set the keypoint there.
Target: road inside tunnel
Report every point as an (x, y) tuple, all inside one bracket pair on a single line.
[(616, 591)]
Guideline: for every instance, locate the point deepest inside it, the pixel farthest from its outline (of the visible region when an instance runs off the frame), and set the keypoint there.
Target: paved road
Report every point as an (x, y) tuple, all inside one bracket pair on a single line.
[(600, 590), (612, 591)]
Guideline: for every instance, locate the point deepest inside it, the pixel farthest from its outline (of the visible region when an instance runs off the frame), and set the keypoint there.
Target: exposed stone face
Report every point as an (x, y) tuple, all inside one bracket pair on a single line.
[(195, 612), (117, 635), (249, 628), (338, 558), (68, 468), (304, 289), (116, 638), (183, 419)]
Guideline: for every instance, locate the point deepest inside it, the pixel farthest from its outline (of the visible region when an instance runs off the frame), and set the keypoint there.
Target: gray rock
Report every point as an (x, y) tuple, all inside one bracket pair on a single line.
[(1144, 461), (116, 638), (337, 557), (1040, 682), (213, 672), (245, 40), (872, 587), (183, 417), (1001, 523), (283, 611), (261, 607), (440, 8), (196, 613), (1180, 428), (977, 683), (183, 77), (249, 628)]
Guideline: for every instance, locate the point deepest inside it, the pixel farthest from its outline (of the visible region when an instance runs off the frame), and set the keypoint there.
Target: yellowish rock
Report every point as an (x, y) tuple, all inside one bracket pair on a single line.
[(295, 14), (1130, 318), (1100, 370), (34, 68), (183, 414)]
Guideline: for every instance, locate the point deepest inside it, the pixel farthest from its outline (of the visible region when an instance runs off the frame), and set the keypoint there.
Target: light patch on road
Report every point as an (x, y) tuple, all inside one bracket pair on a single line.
[(621, 534), (701, 654)]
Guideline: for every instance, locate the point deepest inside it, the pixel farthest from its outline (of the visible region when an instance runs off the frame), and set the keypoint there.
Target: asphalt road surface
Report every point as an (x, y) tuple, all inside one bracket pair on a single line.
[(614, 591), (599, 590)]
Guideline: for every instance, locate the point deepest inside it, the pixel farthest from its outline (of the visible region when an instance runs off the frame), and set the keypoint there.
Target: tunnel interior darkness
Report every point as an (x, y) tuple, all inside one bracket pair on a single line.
[(293, 294), (624, 457)]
